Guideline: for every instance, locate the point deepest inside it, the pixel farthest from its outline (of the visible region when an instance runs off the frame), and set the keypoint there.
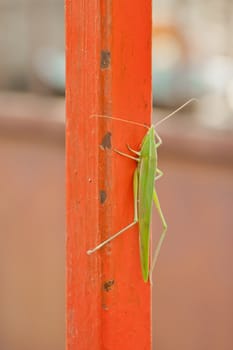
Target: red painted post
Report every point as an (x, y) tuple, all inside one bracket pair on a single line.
[(108, 47)]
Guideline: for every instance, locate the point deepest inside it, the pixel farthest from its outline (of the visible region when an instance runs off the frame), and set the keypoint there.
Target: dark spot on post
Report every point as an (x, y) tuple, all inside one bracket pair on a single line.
[(105, 59), (104, 306), (106, 141), (108, 285), (103, 196)]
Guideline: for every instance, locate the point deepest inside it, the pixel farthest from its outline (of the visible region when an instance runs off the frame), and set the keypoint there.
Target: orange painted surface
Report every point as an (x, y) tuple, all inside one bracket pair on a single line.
[(108, 72)]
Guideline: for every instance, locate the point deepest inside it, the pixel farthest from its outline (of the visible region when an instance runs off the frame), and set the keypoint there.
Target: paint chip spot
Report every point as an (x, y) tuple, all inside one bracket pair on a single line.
[(108, 285), (105, 59), (106, 141), (104, 306), (103, 196)]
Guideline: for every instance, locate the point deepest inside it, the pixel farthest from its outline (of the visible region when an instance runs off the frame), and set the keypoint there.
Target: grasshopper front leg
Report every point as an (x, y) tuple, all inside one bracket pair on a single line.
[(159, 174)]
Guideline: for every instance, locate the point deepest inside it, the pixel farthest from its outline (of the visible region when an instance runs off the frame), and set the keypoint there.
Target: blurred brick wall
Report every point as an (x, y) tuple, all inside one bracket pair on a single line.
[(32, 235)]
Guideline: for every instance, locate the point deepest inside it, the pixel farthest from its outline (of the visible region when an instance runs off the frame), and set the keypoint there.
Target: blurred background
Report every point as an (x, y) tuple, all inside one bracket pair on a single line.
[(193, 288)]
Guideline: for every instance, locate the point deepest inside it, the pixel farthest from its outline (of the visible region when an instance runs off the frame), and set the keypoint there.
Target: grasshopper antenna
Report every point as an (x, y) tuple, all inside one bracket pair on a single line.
[(119, 119), (174, 112)]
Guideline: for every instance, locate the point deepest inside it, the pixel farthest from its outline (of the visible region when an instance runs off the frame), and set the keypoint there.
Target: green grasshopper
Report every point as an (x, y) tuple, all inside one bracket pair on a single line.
[(145, 174)]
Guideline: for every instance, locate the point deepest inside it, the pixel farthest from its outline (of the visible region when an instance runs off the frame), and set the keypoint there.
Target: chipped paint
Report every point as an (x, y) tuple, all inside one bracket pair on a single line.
[(107, 286), (105, 59), (103, 196), (106, 141)]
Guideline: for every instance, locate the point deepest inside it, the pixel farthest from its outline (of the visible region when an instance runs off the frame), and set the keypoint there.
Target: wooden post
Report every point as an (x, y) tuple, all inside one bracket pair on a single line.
[(108, 47)]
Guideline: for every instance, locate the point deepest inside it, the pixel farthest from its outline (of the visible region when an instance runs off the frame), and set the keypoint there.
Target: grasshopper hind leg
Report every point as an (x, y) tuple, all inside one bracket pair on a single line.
[(135, 221), (163, 234), (102, 244)]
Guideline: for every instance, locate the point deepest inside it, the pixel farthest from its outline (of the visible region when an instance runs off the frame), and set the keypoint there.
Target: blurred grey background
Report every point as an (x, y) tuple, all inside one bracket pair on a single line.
[(193, 288)]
